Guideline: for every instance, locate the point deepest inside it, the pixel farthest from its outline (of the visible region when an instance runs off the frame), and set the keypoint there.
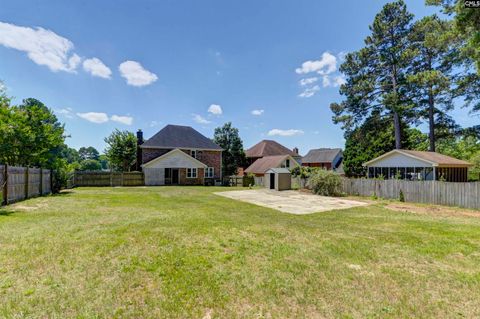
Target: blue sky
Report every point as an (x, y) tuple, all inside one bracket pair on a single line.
[(267, 66)]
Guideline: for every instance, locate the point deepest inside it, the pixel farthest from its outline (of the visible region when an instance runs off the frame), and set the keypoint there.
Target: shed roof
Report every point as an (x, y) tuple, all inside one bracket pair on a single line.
[(321, 155), (268, 148), (434, 158), (263, 164), (279, 170), (178, 136)]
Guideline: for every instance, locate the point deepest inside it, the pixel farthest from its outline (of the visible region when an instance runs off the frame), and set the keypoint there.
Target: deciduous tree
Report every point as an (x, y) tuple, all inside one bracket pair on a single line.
[(233, 155), (121, 149)]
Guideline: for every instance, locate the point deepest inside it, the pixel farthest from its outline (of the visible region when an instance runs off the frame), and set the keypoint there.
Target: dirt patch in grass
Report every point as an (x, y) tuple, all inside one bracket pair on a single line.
[(432, 210)]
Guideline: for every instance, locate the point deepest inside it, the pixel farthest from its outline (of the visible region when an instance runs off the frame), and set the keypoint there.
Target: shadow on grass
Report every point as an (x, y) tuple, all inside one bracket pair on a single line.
[(5, 212), (63, 193)]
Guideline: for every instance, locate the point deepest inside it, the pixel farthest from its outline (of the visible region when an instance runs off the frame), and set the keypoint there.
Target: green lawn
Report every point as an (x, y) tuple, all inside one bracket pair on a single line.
[(183, 252)]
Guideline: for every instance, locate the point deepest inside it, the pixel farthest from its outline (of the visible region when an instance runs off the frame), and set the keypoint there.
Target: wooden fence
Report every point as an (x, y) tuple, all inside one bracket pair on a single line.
[(99, 178), (20, 183), (430, 192)]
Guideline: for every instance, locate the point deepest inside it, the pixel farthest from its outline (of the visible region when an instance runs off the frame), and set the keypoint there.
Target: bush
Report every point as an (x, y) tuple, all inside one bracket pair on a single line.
[(248, 180), (326, 183), (401, 196)]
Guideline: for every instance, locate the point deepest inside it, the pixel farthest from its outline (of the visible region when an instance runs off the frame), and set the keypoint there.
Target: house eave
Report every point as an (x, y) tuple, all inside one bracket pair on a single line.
[(182, 148)]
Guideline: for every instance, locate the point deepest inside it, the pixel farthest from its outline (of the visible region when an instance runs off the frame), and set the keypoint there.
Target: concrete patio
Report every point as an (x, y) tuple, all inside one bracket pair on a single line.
[(293, 202)]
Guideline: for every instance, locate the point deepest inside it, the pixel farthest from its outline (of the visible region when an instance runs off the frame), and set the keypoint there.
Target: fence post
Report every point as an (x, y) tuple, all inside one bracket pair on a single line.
[(51, 181), (5, 184), (26, 183), (40, 187)]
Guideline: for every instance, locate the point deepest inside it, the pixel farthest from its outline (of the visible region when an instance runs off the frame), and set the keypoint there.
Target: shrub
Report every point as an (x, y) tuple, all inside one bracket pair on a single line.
[(401, 196), (326, 183), (248, 180)]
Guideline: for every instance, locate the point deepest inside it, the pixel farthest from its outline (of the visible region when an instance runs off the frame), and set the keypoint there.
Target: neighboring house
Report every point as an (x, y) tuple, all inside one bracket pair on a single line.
[(260, 166), (179, 155), (328, 158), (417, 165), (269, 148)]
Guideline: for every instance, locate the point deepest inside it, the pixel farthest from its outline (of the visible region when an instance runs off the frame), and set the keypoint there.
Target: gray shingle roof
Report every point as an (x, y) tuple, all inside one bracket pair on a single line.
[(177, 136), (321, 155)]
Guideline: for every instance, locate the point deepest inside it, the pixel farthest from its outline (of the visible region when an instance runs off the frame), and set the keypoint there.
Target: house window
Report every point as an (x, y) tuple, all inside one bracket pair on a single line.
[(287, 163), (191, 173), (193, 153), (209, 172)]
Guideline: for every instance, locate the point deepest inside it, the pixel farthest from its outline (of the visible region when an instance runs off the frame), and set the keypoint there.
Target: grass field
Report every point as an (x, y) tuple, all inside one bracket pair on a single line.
[(183, 252)]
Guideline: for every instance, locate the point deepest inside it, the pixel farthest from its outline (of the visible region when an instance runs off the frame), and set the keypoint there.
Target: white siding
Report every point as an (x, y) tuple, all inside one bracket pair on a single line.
[(258, 180), (154, 176), (399, 160), (155, 170), (175, 160)]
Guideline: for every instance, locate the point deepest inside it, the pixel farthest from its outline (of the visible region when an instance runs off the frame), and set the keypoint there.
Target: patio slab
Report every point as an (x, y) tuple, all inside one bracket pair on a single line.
[(293, 202)]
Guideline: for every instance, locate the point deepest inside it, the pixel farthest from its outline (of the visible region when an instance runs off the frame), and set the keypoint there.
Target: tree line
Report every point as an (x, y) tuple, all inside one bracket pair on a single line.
[(411, 72), (32, 136)]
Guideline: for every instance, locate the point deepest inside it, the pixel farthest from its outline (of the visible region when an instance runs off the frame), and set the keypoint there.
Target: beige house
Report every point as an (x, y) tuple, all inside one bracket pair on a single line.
[(418, 165), (261, 165)]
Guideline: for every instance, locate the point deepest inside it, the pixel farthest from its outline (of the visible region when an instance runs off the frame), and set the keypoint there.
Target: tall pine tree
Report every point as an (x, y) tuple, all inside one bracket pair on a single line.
[(376, 74), (431, 77)]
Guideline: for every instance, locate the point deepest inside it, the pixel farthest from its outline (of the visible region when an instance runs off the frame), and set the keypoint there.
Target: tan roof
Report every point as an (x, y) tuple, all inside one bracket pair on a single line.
[(261, 165), (436, 159), (268, 148)]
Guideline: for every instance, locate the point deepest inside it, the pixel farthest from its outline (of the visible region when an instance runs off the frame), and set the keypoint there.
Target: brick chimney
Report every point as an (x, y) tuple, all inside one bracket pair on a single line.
[(295, 150), (140, 141), (139, 137)]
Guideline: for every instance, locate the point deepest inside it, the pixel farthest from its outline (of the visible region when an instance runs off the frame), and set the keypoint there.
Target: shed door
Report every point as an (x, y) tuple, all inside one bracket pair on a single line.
[(272, 181)]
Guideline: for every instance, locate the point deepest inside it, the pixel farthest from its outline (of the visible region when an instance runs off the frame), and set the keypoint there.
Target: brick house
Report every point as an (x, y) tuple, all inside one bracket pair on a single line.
[(179, 155), (269, 148), (327, 158)]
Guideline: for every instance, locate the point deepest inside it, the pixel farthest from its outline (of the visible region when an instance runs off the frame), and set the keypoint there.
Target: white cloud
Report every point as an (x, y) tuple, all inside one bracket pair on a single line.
[(127, 120), (308, 81), (200, 119), (44, 47), (339, 80), (154, 123), (94, 117), (334, 81), (215, 109), (326, 81), (310, 91), (66, 112), (257, 112), (96, 67), (326, 65), (135, 74), (290, 132)]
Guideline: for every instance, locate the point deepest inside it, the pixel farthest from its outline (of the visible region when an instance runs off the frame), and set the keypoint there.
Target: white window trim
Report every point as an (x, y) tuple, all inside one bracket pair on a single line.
[(194, 172), (207, 170), (193, 153)]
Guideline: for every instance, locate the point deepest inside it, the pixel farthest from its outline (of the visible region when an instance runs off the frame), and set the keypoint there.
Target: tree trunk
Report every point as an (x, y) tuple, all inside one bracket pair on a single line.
[(398, 133), (431, 120), (396, 116)]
